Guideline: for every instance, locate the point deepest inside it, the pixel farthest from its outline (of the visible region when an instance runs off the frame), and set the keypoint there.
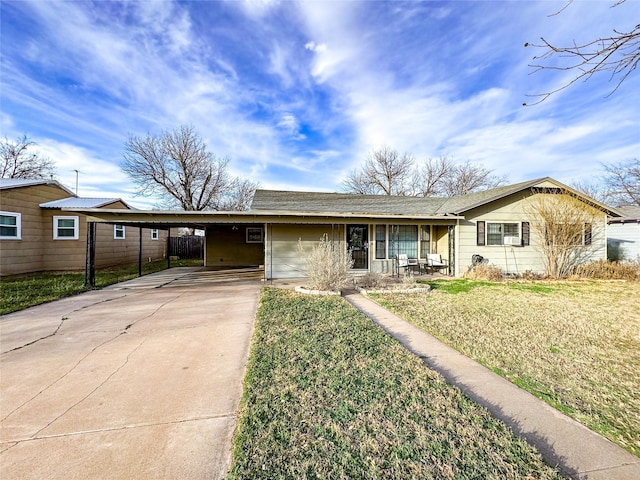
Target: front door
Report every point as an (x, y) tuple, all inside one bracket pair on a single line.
[(358, 245)]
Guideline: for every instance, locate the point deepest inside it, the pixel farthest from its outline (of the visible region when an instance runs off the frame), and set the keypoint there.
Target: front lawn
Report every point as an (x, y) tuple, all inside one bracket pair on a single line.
[(575, 345), (329, 395), (17, 293)]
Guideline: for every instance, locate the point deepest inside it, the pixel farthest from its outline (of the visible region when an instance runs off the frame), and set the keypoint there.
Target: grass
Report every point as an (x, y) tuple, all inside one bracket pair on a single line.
[(575, 345), (17, 293), (330, 395)]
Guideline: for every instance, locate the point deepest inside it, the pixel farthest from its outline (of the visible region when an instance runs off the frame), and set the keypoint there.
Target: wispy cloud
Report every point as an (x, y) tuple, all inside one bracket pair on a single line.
[(296, 94)]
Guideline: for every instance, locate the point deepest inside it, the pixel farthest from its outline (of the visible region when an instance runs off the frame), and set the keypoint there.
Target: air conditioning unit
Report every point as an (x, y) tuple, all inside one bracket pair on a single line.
[(512, 241)]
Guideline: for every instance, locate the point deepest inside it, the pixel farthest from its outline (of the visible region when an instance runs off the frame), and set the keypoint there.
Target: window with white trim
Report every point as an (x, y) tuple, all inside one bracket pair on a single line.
[(154, 234), (65, 228), (503, 234), (118, 232), (10, 226)]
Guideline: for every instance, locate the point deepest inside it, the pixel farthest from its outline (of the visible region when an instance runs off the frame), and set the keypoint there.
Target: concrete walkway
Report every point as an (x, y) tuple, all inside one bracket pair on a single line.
[(139, 380), (577, 451)]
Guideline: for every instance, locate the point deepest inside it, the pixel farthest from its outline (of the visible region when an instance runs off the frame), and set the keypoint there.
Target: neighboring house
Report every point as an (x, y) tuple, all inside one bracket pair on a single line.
[(36, 234), (495, 224), (623, 235)]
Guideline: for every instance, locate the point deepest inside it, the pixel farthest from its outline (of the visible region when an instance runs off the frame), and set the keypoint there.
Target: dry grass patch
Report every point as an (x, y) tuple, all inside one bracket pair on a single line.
[(330, 395), (574, 344)]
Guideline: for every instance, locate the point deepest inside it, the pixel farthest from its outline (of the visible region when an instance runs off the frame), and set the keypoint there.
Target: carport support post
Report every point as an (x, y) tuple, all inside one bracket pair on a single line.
[(140, 253), (90, 267), (168, 247)]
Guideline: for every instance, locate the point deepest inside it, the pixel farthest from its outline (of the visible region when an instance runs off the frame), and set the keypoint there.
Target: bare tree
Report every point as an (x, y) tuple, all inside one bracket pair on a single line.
[(178, 166), (467, 178), (385, 172), (18, 161), (623, 183), (562, 227), (596, 190), (430, 175), (240, 196), (617, 54)]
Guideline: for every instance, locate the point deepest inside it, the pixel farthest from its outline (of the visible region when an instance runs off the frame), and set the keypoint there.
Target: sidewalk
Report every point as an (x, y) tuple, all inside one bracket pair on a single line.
[(577, 451)]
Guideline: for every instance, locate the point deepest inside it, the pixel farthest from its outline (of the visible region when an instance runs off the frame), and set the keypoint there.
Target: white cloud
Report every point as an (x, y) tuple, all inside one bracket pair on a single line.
[(96, 177)]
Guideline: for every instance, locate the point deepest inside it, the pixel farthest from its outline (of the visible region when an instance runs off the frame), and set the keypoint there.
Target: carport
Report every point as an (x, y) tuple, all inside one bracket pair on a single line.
[(270, 238)]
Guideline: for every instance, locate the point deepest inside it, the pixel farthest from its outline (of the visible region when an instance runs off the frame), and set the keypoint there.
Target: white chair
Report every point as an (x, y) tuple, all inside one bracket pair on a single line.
[(406, 263), (435, 262)]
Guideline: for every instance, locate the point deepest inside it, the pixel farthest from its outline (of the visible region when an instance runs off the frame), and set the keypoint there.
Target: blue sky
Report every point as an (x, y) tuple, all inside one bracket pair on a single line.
[(296, 94)]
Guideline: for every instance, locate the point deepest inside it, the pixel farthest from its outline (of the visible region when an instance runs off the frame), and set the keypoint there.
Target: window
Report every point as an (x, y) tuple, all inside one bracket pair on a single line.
[(381, 242), (569, 234), (154, 234), (118, 232), (403, 239), (587, 234), (503, 234), (425, 236), (10, 226), (254, 235), (65, 228)]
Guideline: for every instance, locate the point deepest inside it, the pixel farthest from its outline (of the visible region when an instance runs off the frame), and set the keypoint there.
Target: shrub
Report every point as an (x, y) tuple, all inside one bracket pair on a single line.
[(371, 279), (606, 270), (408, 279), (484, 271), (328, 265), (531, 275)]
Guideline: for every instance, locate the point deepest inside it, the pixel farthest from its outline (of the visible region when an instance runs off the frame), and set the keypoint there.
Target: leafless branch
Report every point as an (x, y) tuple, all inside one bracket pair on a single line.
[(617, 54), (18, 161), (178, 166)]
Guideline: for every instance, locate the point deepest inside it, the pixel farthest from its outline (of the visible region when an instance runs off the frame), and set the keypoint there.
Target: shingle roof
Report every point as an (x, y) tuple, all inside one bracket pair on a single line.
[(78, 202), (464, 203), (278, 200)]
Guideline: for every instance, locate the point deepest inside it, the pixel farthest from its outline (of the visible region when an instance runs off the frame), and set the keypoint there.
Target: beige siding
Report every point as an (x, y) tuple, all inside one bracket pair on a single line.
[(227, 246), (282, 257), (514, 259), (39, 251), (27, 255)]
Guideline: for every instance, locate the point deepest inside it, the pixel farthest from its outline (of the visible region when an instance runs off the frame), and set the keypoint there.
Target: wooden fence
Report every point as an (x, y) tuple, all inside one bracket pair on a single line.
[(191, 246)]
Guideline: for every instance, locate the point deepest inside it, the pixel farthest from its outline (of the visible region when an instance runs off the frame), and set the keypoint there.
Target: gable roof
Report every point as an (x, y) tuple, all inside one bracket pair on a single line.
[(275, 200), (79, 202), (8, 183)]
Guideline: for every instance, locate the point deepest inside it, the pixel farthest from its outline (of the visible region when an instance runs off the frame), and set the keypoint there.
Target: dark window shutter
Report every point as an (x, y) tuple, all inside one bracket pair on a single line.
[(587, 234), (480, 233), (526, 234)]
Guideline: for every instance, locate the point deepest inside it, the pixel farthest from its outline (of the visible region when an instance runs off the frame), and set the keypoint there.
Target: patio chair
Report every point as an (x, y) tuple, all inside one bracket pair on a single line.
[(435, 262), (405, 263)]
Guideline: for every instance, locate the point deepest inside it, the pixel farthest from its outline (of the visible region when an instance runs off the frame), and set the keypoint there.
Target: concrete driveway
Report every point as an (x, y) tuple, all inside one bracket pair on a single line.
[(140, 380)]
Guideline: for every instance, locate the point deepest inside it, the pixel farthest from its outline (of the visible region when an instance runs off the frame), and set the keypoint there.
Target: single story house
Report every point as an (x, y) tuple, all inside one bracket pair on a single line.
[(624, 235), (37, 234), (496, 224)]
